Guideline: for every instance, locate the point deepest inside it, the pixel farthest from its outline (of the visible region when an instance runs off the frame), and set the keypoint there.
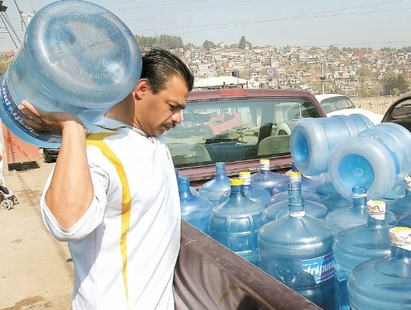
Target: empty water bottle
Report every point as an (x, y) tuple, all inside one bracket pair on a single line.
[(377, 158), (402, 206), (236, 222), (384, 283), (267, 179), (76, 57), (356, 214), (313, 139), (195, 209), (297, 251), (216, 187), (258, 195), (358, 244)]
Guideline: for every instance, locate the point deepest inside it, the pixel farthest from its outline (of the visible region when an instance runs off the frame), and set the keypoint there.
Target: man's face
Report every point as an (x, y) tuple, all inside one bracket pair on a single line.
[(162, 111)]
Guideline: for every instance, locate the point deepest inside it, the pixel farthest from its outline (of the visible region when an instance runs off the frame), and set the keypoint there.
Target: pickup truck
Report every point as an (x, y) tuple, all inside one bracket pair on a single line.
[(238, 127)]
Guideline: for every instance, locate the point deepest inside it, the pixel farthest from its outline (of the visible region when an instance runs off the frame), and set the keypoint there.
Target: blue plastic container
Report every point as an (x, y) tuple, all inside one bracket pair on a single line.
[(196, 210), (266, 179), (258, 195), (326, 189), (377, 158), (402, 206), (216, 187), (356, 245), (335, 202), (236, 222), (313, 139), (76, 57), (384, 283), (356, 214), (192, 189), (283, 196), (297, 251)]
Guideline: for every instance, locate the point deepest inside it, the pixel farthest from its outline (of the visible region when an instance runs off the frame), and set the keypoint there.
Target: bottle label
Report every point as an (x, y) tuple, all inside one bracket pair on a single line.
[(321, 268), (11, 110), (400, 237)]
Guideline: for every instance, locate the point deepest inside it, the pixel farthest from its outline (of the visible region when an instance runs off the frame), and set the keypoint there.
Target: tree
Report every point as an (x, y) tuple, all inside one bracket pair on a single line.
[(394, 84), (242, 43), (208, 45)]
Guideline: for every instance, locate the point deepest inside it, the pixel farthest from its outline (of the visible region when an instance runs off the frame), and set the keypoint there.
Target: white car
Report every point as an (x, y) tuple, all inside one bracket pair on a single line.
[(335, 104)]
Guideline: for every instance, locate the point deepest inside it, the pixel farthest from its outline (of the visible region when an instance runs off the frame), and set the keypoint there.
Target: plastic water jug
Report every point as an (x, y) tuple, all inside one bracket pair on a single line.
[(236, 222), (283, 196), (308, 183), (267, 179), (326, 189), (76, 57), (297, 251), (356, 214), (192, 189), (377, 158), (336, 201), (257, 195), (358, 244), (280, 209), (402, 206), (195, 210), (313, 139), (385, 282), (216, 187)]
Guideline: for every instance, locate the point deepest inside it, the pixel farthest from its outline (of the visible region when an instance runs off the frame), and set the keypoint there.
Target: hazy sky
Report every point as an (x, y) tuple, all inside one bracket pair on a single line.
[(342, 23)]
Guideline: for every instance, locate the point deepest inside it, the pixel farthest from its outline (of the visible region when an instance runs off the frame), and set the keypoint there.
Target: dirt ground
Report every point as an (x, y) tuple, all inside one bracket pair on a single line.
[(36, 271)]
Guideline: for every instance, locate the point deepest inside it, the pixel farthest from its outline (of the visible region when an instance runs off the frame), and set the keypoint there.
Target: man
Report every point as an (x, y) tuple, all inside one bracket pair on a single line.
[(113, 193)]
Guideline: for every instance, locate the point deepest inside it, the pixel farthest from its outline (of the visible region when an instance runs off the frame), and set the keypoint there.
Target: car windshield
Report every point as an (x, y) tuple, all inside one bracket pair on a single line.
[(236, 129), (336, 103)]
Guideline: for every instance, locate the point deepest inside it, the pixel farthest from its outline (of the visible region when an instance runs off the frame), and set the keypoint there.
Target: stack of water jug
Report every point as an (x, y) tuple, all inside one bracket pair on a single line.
[(336, 228)]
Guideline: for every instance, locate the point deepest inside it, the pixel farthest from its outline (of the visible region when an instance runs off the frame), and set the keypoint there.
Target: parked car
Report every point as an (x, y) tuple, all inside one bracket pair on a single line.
[(335, 104), (400, 111), (238, 127), (50, 155)]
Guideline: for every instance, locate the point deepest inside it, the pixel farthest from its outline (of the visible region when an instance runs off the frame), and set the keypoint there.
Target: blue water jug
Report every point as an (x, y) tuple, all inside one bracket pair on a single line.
[(308, 183), (217, 186), (280, 209), (196, 210), (326, 189), (377, 158), (336, 201), (257, 195), (192, 189), (356, 214), (313, 139), (402, 206), (356, 245), (385, 282), (297, 251), (76, 57), (267, 179), (283, 196), (236, 222)]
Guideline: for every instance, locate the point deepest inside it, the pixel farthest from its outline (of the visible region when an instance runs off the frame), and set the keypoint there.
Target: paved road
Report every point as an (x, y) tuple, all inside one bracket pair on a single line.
[(36, 271)]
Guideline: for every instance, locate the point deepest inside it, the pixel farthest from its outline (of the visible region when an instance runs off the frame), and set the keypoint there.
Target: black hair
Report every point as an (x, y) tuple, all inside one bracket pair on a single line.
[(160, 65)]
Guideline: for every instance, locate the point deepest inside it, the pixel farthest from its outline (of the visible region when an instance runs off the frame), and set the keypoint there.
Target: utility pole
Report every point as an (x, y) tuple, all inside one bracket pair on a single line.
[(322, 77), (29, 16)]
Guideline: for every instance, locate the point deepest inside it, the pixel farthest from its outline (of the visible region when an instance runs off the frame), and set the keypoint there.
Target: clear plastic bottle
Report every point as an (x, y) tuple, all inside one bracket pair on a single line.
[(297, 251), (356, 245), (402, 206), (384, 283), (216, 187), (196, 210), (265, 178), (313, 139), (76, 57), (280, 209), (356, 214), (258, 195), (236, 222), (377, 158)]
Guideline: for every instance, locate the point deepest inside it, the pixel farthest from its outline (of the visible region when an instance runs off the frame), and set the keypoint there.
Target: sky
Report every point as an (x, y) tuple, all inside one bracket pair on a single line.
[(306, 23)]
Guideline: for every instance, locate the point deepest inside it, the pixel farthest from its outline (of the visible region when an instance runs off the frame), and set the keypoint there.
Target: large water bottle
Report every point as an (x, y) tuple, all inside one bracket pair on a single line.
[(217, 186), (336, 201), (313, 139), (280, 209), (384, 283), (402, 206), (358, 244), (195, 209), (76, 57), (297, 251), (356, 214), (267, 179), (257, 195), (377, 158), (236, 222), (192, 189), (326, 189)]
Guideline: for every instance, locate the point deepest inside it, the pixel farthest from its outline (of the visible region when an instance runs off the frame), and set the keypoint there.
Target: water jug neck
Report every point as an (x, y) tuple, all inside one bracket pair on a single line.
[(295, 197), (220, 170), (184, 187), (359, 197), (376, 210), (264, 165)]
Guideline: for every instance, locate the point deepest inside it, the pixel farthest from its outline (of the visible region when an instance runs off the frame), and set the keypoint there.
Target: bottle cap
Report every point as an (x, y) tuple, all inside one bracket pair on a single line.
[(236, 181), (244, 174), (400, 237)]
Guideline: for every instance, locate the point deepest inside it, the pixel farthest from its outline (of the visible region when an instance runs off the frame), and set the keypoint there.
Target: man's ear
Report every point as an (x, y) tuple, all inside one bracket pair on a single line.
[(142, 86)]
